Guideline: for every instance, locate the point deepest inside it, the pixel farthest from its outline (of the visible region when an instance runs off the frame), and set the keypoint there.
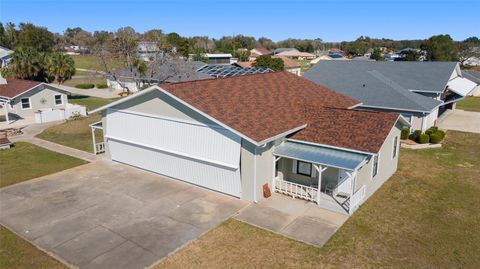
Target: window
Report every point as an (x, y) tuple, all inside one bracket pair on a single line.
[(26, 103), (304, 168), (375, 166), (58, 100), (395, 142)]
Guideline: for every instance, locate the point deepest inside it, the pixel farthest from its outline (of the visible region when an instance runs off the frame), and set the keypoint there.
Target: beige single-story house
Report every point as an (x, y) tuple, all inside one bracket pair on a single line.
[(240, 135), (35, 101)]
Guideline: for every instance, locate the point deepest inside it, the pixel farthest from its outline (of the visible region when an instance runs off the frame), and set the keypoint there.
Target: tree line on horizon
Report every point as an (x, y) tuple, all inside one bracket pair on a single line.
[(38, 52)]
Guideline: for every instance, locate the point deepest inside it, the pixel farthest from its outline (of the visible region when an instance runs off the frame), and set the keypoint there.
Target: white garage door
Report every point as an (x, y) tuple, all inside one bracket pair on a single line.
[(203, 155)]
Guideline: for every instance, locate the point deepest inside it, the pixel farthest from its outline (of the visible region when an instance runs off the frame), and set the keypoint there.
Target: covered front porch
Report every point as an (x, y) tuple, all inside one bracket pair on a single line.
[(325, 176), (97, 137)]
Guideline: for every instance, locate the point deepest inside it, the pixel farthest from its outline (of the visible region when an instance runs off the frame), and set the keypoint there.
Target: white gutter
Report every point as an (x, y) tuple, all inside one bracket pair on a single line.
[(401, 109)]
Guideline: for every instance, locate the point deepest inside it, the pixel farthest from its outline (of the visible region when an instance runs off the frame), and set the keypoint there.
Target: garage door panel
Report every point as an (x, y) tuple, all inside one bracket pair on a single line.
[(212, 176), (193, 139)]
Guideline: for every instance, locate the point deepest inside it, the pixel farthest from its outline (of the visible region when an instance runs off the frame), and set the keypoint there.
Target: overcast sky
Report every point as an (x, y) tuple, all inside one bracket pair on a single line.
[(329, 20)]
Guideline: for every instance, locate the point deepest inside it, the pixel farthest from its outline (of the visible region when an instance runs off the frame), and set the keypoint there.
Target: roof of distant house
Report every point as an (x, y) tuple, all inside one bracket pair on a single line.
[(472, 75), (293, 53), (280, 50), (287, 62), (263, 51), (218, 55), (15, 87), (385, 84), (5, 52), (244, 64)]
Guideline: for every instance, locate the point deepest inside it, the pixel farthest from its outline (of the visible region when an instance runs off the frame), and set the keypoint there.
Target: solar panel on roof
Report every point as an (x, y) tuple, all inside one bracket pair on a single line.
[(218, 70)]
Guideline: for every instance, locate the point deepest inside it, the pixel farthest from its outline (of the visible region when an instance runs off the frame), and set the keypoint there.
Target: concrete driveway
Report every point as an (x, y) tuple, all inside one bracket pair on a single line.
[(109, 215), (460, 120)]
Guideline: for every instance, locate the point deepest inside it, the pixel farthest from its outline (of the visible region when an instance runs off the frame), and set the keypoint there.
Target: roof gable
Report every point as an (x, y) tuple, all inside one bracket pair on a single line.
[(15, 87)]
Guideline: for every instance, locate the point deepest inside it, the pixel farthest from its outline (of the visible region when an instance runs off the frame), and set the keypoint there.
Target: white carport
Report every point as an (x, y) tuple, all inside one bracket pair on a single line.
[(461, 86)]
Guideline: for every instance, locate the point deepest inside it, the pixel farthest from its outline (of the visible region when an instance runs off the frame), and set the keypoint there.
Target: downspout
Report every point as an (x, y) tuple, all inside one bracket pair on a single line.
[(255, 174)]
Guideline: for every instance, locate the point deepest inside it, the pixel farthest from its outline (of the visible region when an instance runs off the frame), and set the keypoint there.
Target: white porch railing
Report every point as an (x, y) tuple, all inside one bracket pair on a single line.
[(357, 198), (296, 190), (99, 148)]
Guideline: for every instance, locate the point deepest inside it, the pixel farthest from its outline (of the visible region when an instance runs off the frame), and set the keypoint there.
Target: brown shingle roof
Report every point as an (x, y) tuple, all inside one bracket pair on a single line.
[(346, 128), (244, 64), (287, 62), (15, 87), (262, 106)]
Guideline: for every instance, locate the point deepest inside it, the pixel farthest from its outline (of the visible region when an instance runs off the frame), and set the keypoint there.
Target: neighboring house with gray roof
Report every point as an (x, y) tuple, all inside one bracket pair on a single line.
[(5, 56), (420, 91), (475, 77)]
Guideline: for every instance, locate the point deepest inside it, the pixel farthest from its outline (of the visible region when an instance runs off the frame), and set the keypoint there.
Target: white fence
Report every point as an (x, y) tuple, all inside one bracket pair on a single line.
[(296, 190), (48, 115), (357, 198)]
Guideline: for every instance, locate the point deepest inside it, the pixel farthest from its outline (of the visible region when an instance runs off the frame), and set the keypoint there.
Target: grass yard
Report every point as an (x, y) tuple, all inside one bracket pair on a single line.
[(93, 79), (77, 133), (305, 65), (18, 253), (90, 61), (90, 102), (25, 161), (425, 216), (470, 103)]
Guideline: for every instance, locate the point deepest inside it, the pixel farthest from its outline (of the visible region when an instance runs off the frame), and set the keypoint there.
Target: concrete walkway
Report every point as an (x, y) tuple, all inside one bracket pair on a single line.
[(296, 219), (460, 120), (101, 93), (29, 133)]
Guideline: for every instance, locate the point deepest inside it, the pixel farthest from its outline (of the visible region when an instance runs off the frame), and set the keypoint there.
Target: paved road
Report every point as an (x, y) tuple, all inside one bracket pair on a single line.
[(461, 120), (109, 215)]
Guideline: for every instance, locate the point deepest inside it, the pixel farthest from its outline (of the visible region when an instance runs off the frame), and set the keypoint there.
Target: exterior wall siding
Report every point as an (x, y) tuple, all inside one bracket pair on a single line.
[(37, 96)]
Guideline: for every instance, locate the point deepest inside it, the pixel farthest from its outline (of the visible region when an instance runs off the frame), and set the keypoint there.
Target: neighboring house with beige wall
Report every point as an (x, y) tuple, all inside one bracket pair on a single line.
[(21, 99), (238, 135)]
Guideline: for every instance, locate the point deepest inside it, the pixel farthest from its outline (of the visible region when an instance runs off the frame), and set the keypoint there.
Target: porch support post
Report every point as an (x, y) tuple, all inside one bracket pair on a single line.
[(352, 189), (275, 160), (320, 170), (5, 105), (94, 143)]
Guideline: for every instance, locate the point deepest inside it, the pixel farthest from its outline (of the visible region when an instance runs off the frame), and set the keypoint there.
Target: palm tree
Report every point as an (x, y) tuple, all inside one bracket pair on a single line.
[(26, 63), (60, 66)]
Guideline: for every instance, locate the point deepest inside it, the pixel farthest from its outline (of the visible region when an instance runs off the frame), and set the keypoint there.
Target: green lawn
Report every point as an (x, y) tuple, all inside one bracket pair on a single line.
[(17, 253), (77, 133), (305, 65), (25, 161), (90, 61), (470, 103), (90, 102), (93, 79), (426, 216)]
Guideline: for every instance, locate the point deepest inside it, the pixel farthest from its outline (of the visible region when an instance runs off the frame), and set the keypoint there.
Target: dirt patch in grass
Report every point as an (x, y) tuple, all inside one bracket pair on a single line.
[(425, 216), (25, 161)]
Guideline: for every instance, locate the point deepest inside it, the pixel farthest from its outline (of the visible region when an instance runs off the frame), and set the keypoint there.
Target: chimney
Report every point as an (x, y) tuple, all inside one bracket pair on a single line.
[(2, 80)]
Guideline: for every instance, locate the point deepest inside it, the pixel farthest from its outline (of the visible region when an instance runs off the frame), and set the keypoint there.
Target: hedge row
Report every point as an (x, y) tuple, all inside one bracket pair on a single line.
[(432, 135), (85, 86)]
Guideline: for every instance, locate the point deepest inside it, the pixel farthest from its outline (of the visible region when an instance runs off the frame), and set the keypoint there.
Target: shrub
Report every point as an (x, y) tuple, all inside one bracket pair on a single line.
[(440, 133), (102, 85), (85, 86), (423, 139), (75, 116), (415, 135), (435, 138), (431, 130), (405, 133)]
